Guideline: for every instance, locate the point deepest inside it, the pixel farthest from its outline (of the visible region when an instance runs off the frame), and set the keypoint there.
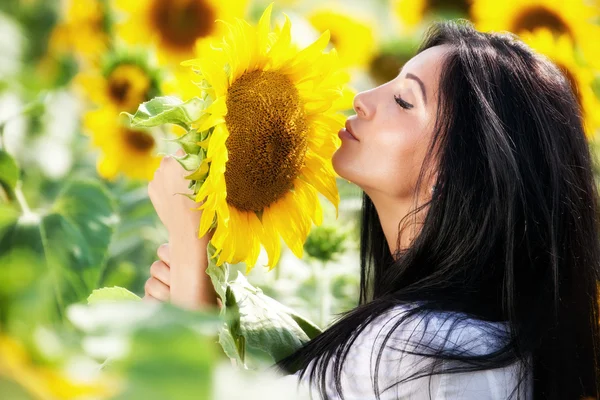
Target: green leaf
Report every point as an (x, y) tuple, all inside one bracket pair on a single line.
[(9, 171), (28, 292), (167, 110), (111, 294), (88, 206), (229, 345), (218, 276), (56, 257), (265, 323)]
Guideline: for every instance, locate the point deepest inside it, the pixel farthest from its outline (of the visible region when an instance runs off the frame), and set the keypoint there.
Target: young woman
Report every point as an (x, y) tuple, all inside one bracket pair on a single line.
[(479, 248)]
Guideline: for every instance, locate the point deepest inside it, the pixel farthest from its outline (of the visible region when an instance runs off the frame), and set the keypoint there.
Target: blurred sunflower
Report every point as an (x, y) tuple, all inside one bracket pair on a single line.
[(123, 149), (174, 26), (43, 382), (274, 122), (412, 13), (560, 51), (350, 36), (573, 18), (84, 29), (124, 82), (390, 57)]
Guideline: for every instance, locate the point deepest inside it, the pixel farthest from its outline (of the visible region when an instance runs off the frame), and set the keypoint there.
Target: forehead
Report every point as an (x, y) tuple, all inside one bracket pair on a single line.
[(427, 64)]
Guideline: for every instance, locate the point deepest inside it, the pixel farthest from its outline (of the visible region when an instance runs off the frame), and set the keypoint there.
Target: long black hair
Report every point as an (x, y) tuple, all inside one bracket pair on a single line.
[(511, 230)]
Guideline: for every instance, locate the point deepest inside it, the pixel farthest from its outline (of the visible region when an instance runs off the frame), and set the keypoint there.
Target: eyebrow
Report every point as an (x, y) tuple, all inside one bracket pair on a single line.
[(420, 82)]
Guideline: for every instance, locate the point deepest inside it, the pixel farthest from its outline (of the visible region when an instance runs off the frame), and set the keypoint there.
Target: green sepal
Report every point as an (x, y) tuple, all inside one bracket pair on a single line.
[(188, 142), (190, 162)]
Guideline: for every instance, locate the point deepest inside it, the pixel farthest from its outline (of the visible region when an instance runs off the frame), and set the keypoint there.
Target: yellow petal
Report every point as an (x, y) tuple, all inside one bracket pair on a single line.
[(270, 239), (319, 173)]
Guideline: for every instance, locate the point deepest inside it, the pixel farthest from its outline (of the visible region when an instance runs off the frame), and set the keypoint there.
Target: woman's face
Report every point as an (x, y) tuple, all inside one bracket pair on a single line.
[(390, 141)]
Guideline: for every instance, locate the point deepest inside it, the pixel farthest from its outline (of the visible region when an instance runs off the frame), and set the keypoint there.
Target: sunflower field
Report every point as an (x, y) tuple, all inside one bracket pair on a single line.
[(93, 95)]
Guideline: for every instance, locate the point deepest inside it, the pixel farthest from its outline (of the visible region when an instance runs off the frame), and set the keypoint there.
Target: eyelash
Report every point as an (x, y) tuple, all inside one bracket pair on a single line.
[(403, 103)]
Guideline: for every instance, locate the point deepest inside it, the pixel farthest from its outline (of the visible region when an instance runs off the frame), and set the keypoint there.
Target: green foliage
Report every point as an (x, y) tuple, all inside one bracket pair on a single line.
[(325, 243), (260, 322), (167, 110), (111, 294), (167, 352), (54, 256), (9, 172)]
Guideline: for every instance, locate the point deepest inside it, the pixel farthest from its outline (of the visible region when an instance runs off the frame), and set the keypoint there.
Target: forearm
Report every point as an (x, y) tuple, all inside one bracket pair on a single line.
[(191, 287)]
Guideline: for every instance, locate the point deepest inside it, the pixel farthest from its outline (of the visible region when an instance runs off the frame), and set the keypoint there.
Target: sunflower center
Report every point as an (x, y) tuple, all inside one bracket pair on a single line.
[(128, 86), (267, 139), (453, 6), (540, 17), (138, 141), (181, 22)]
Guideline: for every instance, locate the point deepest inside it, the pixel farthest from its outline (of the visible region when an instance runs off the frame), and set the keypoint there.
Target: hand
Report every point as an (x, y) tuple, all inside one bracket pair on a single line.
[(158, 286), (177, 212), (189, 285)]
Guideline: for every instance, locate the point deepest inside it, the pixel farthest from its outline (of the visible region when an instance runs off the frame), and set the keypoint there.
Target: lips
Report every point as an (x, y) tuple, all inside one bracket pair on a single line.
[(349, 129)]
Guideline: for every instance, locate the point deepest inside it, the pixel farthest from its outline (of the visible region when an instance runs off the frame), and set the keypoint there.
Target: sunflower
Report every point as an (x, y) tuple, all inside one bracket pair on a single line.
[(273, 123), (174, 26), (124, 82), (85, 29), (123, 149), (350, 36), (412, 13), (560, 51), (389, 59), (574, 18)]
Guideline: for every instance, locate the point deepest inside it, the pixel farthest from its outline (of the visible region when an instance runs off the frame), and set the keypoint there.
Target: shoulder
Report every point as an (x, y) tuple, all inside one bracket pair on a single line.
[(451, 331), (384, 352)]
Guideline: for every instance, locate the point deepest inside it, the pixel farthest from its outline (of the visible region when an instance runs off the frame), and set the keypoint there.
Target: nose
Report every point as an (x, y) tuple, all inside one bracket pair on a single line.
[(361, 105)]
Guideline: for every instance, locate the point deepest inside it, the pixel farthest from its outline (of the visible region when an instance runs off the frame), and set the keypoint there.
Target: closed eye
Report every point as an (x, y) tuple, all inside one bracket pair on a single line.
[(403, 103)]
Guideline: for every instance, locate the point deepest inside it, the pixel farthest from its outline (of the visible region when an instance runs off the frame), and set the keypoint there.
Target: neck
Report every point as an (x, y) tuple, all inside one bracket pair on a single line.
[(391, 210)]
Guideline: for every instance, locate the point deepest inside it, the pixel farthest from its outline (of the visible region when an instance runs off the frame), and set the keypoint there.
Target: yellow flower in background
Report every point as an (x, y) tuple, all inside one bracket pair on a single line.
[(573, 18), (122, 84), (560, 51), (274, 129), (84, 29), (352, 37), (413, 13), (131, 152), (174, 26), (389, 59), (43, 382)]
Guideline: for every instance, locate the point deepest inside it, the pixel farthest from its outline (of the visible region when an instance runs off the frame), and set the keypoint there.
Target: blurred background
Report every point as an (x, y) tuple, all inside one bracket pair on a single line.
[(74, 210)]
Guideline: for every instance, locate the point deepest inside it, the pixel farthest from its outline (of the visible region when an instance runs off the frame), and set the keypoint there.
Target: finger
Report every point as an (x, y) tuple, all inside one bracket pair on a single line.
[(164, 161), (149, 299), (164, 254), (157, 289), (161, 271), (180, 153)]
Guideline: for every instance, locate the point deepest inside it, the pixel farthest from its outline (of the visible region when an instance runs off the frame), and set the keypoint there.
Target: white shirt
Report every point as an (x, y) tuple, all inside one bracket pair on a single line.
[(473, 336)]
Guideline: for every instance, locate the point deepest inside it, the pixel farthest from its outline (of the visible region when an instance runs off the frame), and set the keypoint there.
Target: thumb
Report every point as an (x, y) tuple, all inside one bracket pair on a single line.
[(180, 153)]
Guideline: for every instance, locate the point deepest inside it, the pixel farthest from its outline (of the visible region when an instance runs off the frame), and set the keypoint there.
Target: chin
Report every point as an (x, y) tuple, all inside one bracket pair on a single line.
[(337, 163), (340, 166)]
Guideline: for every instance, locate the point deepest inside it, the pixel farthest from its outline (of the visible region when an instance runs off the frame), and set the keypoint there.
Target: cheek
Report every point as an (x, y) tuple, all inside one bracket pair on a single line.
[(383, 162)]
